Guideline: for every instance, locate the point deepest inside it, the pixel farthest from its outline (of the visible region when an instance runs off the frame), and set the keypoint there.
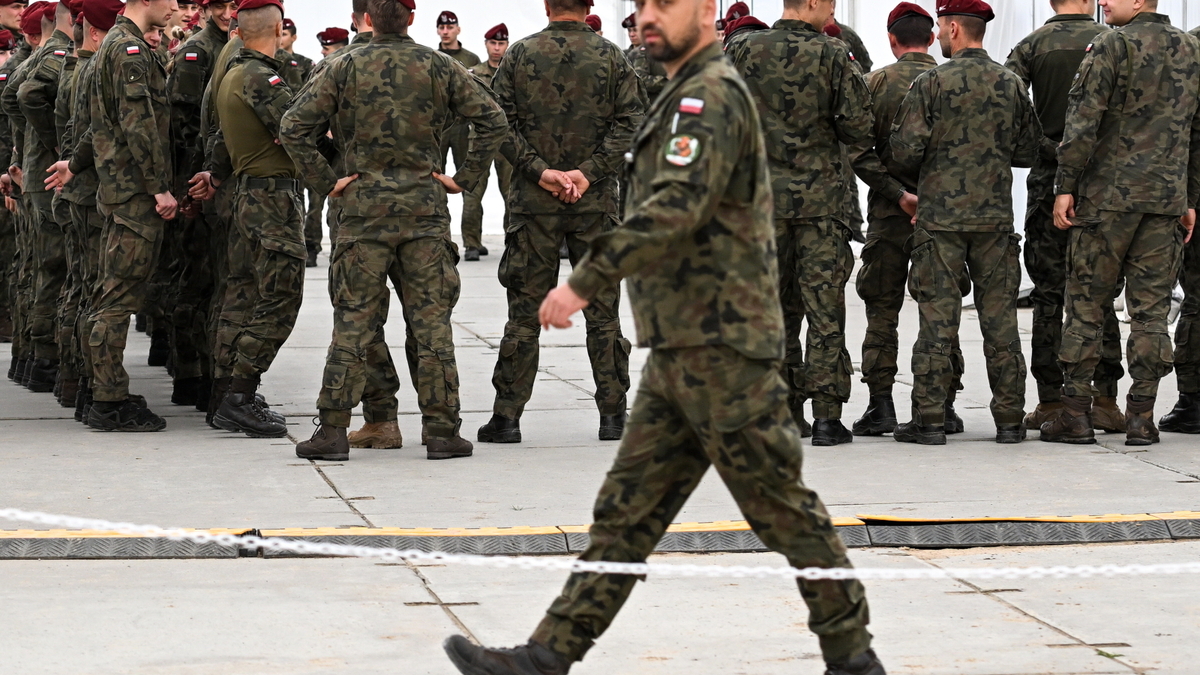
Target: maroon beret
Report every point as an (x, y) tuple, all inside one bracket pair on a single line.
[(288, 24), (31, 18), (447, 18), (832, 29), (593, 22), (7, 41), (410, 4), (630, 21), (976, 8), (905, 10), (333, 36), (102, 14), (247, 5), (736, 11), (498, 32)]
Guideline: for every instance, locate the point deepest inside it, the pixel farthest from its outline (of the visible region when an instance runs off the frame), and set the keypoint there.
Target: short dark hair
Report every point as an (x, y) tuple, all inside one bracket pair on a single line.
[(388, 16), (912, 31), (974, 27), (568, 5), (359, 7)]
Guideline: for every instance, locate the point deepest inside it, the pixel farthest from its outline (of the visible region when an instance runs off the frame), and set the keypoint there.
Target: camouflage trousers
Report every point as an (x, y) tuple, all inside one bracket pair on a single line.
[(264, 282), (70, 298), (815, 262), (8, 259), (50, 273), (312, 221), (696, 408), (429, 286), (1146, 250), (472, 221), (88, 226), (195, 283), (1046, 262), (529, 270), (992, 259), (133, 233), (881, 284), (218, 212), (457, 140), (1187, 333), (22, 281)]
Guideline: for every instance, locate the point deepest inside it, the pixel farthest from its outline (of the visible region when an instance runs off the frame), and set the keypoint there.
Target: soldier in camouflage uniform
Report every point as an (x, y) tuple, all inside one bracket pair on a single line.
[(573, 103), (961, 128), (891, 205), (15, 277), (189, 239), (1128, 184), (496, 42), (29, 102), (455, 138), (1047, 61), (1184, 418), (812, 99), (10, 24), (68, 302), (857, 49), (266, 252), (332, 41), (393, 210), (297, 68), (130, 134), (697, 253), (650, 72)]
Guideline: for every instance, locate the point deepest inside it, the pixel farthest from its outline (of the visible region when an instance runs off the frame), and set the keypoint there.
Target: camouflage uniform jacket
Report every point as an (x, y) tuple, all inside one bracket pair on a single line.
[(386, 104), (810, 99), (698, 243), (65, 96), (210, 130), (858, 50), (10, 100), (463, 55), (1136, 148), (37, 96), (572, 102), (191, 69), (962, 127), (1047, 61), (652, 73), (77, 143), (7, 74), (484, 71), (294, 68), (888, 86), (131, 119)]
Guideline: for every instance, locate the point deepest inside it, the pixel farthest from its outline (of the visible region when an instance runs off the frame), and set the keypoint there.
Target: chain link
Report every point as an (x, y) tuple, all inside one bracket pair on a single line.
[(301, 547)]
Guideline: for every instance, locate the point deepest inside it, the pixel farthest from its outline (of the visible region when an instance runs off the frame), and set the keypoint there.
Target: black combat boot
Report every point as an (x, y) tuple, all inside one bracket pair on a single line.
[(500, 429), (83, 400), (328, 443), (1185, 417), (863, 664), (528, 659), (185, 391), (1010, 433), (880, 417), (42, 376), (12, 368), (921, 434), (240, 412), (311, 260), (1139, 421), (448, 448), (1073, 424), (612, 427), (483, 250), (68, 389), (203, 393), (266, 407), (954, 423), (160, 349), (124, 415), (827, 433), (215, 396), (471, 254), (140, 323)]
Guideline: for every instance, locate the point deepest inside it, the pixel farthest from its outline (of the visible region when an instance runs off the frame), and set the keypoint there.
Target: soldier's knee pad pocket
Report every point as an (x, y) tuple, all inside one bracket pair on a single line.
[(1073, 346), (869, 282), (514, 261), (922, 279)]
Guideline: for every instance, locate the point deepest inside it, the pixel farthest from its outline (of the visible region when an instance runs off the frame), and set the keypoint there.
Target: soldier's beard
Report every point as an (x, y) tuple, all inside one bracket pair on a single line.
[(667, 51)]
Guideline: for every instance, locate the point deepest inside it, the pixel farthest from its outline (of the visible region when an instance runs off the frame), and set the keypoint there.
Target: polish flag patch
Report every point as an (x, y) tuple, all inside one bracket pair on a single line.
[(1089, 48), (60, 52), (275, 79), (3, 77), (691, 106), (191, 57), (294, 63), (133, 50)]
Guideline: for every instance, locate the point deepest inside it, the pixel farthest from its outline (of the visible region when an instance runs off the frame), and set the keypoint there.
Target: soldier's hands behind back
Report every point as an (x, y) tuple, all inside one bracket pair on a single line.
[(580, 181), (1064, 211), (18, 176), (1189, 221), (560, 185), (448, 183), (60, 175), (341, 185), (558, 307), (167, 206)]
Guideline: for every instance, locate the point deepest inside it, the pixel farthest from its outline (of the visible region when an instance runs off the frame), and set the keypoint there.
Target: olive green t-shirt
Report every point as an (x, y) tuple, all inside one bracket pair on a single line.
[(251, 103)]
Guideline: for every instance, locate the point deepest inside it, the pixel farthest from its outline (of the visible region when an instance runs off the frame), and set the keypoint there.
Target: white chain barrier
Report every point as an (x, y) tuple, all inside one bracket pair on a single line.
[(301, 547)]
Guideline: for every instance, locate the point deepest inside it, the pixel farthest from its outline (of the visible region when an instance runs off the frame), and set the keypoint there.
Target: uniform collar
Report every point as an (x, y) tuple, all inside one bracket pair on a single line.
[(214, 30), (275, 63), (568, 25), (362, 37), (1059, 18), (1150, 17), (971, 53), (131, 28), (59, 37), (795, 24), (917, 56), (390, 37), (84, 54)]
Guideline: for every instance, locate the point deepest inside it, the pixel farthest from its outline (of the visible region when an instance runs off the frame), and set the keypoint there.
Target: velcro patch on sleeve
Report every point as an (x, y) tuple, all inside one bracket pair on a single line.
[(275, 79), (691, 106), (191, 56), (133, 50)]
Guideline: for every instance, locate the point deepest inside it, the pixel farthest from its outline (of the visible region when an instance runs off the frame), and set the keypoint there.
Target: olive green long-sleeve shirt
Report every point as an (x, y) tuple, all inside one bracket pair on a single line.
[(961, 128), (386, 104), (1132, 136), (1047, 60), (697, 248)]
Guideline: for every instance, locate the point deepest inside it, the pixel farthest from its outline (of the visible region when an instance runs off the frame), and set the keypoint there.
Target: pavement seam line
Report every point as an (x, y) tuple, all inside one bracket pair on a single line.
[(428, 585), (338, 492)]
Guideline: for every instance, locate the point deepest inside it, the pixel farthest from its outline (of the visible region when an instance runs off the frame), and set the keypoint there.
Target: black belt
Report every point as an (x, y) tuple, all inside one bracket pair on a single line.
[(271, 183)]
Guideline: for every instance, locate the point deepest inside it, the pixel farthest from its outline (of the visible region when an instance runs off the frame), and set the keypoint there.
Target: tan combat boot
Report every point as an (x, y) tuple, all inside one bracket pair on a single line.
[(1107, 415), (1073, 423), (1043, 413), (377, 435), (1139, 422)]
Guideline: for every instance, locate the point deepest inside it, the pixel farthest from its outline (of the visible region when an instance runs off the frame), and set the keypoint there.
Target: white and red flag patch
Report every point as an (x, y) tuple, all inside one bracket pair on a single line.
[(691, 106), (133, 50), (192, 56), (275, 79)]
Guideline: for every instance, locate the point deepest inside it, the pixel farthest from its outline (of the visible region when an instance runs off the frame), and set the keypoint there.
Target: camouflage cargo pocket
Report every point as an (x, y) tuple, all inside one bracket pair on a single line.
[(923, 276), (869, 282), (750, 390), (514, 263)]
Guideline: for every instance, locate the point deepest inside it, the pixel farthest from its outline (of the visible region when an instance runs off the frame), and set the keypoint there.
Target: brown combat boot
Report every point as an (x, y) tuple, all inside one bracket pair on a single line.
[(377, 435), (448, 448), (1139, 422), (328, 443), (1044, 412), (1073, 424), (1107, 415)]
